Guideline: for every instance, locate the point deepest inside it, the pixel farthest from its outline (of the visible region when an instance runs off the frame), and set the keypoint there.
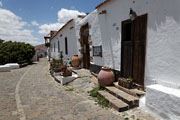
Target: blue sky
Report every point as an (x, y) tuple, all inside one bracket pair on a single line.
[(29, 20)]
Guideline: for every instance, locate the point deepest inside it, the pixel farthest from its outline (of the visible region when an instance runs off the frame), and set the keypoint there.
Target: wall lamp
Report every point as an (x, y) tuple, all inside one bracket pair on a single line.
[(132, 14), (103, 12)]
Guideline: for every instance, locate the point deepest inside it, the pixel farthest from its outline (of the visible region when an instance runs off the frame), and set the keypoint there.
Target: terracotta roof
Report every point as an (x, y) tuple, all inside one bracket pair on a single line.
[(103, 3), (82, 16), (62, 27), (40, 46), (47, 36)]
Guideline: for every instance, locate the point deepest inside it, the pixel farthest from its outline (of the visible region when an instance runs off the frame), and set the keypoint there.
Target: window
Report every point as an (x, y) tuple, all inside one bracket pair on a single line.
[(66, 46), (54, 47), (97, 51), (58, 46), (51, 47)]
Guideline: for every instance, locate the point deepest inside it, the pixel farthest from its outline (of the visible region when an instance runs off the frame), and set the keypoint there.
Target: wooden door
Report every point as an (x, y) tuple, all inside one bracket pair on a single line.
[(140, 30), (133, 48), (127, 49), (85, 46)]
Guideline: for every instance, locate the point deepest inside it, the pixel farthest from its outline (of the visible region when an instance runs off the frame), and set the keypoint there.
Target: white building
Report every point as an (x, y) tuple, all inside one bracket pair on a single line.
[(65, 40), (89, 35), (145, 48)]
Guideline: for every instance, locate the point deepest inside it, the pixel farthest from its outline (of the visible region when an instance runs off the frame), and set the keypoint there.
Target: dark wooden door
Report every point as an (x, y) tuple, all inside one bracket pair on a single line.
[(127, 49), (85, 46), (140, 30), (133, 48)]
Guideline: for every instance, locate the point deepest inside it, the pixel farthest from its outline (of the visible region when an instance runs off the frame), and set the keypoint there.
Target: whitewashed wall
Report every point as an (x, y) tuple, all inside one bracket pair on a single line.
[(71, 40), (163, 37), (94, 32)]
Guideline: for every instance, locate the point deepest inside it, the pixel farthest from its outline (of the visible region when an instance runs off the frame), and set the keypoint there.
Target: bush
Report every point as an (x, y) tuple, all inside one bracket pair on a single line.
[(99, 99), (15, 52)]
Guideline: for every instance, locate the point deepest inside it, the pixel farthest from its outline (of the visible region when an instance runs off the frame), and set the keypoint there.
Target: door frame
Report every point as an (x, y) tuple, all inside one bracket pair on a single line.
[(85, 47), (122, 40), (134, 37)]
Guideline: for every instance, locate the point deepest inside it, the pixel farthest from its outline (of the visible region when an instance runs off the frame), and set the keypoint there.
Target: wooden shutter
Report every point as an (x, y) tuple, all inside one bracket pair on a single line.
[(140, 30)]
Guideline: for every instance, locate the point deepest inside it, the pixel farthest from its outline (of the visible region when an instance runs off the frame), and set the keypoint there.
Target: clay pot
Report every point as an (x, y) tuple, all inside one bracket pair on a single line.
[(76, 61), (63, 68), (106, 76), (67, 73)]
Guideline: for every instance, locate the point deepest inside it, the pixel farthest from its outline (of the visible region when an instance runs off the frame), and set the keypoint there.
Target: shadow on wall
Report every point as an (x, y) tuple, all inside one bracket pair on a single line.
[(160, 10)]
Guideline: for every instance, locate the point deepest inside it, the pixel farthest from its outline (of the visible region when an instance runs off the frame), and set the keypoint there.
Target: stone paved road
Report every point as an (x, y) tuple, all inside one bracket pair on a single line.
[(30, 93), (8, 82)]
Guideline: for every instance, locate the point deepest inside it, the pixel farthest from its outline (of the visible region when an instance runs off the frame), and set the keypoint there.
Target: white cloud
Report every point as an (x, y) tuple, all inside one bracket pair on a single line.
[(1, 4), (35, 23), (13, 28), (45, 29), (64, 15)]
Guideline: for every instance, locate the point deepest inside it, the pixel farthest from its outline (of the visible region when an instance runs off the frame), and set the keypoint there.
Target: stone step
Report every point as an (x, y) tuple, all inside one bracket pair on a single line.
[(127, 98), (114, 101), (134, 92)]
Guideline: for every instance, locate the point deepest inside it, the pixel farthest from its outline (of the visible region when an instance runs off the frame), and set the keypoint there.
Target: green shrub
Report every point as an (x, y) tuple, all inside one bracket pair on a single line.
[(15, 52), (99, 99)]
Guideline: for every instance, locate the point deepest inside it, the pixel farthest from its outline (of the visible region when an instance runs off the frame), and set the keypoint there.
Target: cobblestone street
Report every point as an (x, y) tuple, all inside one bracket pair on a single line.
[(41, 98), (30, 93)]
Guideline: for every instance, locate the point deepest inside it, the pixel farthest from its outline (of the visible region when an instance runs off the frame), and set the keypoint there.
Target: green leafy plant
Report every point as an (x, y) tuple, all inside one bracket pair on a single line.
[(126, 118), (98, 98), (57, 63), (70, 89), (130, 79), (61, 57), (15, 52)]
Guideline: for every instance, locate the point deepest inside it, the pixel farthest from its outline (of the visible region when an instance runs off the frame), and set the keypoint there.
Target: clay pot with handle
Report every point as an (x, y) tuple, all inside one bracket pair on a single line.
[(106, 76), (76, 61)]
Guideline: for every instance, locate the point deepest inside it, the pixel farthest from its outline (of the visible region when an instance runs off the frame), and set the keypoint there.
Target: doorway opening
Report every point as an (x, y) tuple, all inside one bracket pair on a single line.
[(133, 49), (85, 49)]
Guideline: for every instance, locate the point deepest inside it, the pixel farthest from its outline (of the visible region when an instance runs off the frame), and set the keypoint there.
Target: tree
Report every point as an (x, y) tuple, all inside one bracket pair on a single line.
[(1, 41), (15, 52)]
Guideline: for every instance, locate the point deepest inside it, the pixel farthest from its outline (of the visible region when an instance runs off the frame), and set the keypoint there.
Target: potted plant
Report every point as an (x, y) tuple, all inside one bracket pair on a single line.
[(126, 82)]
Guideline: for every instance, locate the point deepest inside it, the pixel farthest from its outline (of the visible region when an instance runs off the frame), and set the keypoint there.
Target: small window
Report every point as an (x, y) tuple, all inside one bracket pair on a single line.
[(51, 47), (66, 46), (54, 47), (97, 51), (58, 46)]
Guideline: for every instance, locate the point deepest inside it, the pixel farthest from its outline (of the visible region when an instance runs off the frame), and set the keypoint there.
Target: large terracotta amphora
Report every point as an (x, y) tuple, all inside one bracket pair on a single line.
[(106, 76), (76, 61)]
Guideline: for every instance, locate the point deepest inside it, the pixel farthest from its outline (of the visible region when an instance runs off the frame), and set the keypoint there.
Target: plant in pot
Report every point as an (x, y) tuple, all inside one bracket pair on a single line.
[(126, 82), (67, 73), (57, 64)]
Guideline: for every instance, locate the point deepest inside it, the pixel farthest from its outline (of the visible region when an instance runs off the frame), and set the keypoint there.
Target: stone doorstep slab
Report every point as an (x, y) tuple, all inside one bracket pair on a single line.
[(133, 92), (127, 98), (115, 102), (13, 65), (56, 73), (65, 80), (163, 101), (4, 68)]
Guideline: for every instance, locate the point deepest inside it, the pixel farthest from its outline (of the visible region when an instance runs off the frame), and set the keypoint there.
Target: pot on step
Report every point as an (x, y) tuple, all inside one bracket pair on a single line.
[(106, 76)]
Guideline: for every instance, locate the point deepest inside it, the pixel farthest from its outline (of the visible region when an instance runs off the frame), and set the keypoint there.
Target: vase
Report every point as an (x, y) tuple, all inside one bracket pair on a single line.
[(106, 76), (76, 61), (63, 68)]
